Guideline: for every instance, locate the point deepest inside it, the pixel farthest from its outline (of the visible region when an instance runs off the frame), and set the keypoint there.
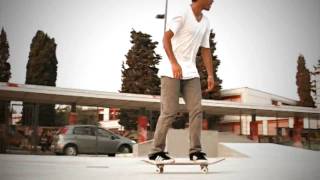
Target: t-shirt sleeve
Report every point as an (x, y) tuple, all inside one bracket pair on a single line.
[(175, 24), (206, 38)]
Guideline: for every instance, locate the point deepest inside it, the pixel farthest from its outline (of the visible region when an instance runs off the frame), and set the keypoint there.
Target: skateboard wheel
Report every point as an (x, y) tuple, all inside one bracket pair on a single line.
[(204, 169), (159, 169)]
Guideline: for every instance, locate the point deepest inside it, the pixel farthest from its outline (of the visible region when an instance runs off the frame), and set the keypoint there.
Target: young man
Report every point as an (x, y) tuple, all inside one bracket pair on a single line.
[(182, 39)]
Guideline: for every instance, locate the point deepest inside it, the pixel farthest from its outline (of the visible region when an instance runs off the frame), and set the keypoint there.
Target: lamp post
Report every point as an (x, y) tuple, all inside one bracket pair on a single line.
[(164, 16)]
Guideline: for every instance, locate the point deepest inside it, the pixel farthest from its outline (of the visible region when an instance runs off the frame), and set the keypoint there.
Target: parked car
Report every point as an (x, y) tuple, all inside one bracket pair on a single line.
[(77, 139)]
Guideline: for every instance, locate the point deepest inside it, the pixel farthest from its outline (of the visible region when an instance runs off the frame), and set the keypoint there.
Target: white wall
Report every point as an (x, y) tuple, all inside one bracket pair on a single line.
[(291, 122), (310, 123)]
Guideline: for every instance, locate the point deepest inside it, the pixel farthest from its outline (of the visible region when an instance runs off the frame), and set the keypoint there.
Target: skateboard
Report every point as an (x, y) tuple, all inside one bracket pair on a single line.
[(203, 166)]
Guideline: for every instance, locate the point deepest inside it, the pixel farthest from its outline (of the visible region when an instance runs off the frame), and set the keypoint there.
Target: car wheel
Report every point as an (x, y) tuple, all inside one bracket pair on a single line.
[(112, 155), (70, 150), (124, 149)]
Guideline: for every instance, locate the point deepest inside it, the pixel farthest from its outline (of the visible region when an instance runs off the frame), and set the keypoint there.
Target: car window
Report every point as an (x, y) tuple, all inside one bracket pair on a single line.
[(104, 133), (83, 131)]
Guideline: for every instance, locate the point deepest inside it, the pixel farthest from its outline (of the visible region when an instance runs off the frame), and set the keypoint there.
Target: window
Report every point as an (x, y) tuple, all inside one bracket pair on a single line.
[(104, 133), (82, 131), (274, 102)]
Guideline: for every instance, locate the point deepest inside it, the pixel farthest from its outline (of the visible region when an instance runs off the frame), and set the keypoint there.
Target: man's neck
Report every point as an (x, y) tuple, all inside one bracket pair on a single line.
[(197, 9)]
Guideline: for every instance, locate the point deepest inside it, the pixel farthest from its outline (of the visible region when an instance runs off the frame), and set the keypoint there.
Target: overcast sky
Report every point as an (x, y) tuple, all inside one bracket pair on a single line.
[(258, 41)]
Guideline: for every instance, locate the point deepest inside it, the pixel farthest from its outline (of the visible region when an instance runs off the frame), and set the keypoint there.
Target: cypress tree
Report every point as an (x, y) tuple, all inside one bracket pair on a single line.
[(5, 69), (42, 70), (304, 84), (5, 73), (215, 94), (139, 74)]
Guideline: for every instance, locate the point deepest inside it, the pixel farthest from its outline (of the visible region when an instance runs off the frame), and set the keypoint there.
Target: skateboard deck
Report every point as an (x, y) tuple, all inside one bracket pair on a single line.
[(203, 166)]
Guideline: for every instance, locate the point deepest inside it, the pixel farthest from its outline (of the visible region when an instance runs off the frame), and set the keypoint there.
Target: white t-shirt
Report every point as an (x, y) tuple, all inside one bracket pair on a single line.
[(189, 35)]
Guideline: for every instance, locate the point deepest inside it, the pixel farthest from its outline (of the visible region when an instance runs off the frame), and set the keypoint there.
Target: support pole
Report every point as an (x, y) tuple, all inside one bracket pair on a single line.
[(254, 128)]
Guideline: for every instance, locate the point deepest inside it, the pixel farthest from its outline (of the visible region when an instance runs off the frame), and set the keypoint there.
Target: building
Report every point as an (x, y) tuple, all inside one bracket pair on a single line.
[(109, 118), (266, 125)]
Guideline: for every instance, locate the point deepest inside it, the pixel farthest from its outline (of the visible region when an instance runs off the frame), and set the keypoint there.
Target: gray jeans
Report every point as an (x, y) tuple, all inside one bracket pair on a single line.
[(170, 91)]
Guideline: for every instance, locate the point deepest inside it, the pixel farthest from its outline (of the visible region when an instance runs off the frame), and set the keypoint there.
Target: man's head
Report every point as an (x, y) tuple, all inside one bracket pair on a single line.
[(205, 4)]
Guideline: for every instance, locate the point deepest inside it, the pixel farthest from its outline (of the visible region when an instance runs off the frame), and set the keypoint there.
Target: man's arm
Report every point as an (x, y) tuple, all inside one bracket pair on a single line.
[(176, 69), (207, 60)]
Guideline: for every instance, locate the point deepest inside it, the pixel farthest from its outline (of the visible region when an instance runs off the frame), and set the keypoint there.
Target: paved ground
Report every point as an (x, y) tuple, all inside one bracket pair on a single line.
[(265, 162)]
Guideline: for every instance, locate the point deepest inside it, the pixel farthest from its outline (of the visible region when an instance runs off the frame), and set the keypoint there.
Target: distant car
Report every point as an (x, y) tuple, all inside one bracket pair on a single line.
[(76, 139)]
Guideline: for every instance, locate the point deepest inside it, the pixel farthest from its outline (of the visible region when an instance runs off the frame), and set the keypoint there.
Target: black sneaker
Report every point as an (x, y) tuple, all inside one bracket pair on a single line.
[(198, 157), (161, 157)]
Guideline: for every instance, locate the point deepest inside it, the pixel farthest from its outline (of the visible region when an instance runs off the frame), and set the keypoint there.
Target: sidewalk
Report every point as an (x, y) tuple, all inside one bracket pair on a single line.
[(264, 162)]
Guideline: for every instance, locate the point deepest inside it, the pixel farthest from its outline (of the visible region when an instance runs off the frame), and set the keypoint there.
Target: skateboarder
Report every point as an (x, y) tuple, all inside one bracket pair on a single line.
[(182, 39)]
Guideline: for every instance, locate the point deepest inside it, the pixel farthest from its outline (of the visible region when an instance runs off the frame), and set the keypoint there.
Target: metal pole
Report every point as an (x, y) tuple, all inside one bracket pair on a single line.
[(165, 16), (277, 129), (318, 121), (240, 123), (309, 132), (35, 120), (5, 127), (96, 131)]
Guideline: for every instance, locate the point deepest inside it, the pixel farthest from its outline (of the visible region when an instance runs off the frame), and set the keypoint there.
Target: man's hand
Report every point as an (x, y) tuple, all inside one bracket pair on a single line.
[(176, 71), (210, 84)]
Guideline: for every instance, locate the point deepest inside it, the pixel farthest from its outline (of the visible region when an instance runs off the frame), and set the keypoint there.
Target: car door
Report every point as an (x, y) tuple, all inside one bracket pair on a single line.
[(85, 139), (107, 142)]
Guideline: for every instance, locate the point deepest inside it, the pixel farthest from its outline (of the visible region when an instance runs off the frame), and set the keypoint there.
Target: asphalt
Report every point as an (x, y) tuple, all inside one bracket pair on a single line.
[(264, 162)]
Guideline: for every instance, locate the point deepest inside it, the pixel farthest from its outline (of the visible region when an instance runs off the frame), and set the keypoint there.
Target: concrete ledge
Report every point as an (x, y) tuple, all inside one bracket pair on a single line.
[(142, 149), (178, 144)]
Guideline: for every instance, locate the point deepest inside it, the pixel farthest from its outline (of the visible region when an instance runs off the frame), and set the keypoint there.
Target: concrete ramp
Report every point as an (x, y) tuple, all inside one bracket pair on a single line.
[(226, 151), (229, 137)]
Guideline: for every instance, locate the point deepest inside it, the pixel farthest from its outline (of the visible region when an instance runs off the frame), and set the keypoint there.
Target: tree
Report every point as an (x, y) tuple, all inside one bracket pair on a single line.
[(215, 94), (5, 73), (42, 70), (62, 114), (87, 116), (139, 74), (304, 84)]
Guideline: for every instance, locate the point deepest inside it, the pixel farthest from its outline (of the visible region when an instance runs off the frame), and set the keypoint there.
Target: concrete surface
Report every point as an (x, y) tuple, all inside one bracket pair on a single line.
[(264, 162)]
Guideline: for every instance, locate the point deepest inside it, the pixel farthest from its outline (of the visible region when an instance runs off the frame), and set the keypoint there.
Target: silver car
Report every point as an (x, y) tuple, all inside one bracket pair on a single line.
[(76, 139)]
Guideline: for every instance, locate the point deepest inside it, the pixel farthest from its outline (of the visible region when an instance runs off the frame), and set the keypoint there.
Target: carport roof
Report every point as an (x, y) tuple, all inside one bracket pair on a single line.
[(56, 95)]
